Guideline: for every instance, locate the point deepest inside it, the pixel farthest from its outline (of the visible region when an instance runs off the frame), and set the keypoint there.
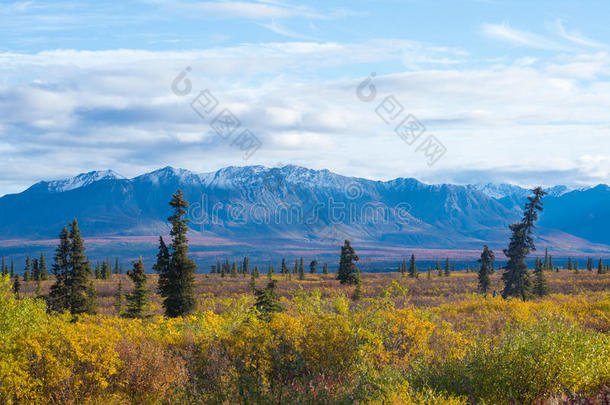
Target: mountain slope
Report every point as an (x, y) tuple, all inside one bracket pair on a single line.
[(262, 206)]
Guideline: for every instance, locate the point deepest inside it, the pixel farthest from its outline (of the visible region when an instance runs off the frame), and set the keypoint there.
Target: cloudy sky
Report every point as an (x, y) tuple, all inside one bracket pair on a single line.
[(514, 91)]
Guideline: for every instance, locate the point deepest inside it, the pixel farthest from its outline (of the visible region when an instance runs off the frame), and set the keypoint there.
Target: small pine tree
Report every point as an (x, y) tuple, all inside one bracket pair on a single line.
[(90, 306), (412, 267), (267, 301), (98, 271), (12, 268), (447, 268), (325, 268), (486, 260), (546, 258), (600, 266), (234, 269), (117, 267), (246, 265), (540, 285), (119, 298), (301, 270), (357, 295), (347, 273), (255, 272), (312, 266), (590, 264), (42, 266), (284, 268), (138, 299), (439, 269), (429, 273), (16, 286), (179, 292), (570, 266)]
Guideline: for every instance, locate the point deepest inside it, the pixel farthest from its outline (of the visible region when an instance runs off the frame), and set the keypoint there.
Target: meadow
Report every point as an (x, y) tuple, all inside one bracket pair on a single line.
[(403, 341)]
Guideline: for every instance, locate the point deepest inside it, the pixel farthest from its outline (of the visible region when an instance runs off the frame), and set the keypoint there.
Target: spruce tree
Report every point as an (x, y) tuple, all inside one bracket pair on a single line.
[(119, 298), (161, 267), (267, 301), (35, 270), (2, 267), (546, 258), (82, 293), (600, 266), (325, 268), (447, 268), (179, 295), (234, 269), (16, 286), (246, 265), (439, 269), (44, 274), (60, 290), (117, 267), (516, 277), (412, 267), (570, 266), (429, 273), (26, 270), (295, 269), (590, 264), (540, 285), (348, 272), (486, 260), (312, 266), (12, 268), (301, 270), (284, 268), (98, 271), (138, 299), (357, 295)]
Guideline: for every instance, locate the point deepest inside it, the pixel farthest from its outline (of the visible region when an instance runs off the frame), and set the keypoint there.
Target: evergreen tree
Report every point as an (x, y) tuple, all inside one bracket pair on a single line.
[(179, 294), (284, 268), (117, 267), (357, 295), (546, 258), (516, 277), (255, 272), (234, 269), (60, 290), (600, 267), (551, 265), (3, 268), (98, 271), (325, 268), (590, 264), (106, 269), (35, 270), (16, 286), (295, 269), (570, 266), (26, 271), (42, 264), (486, 260), (301, 270), (576, 266), (267, 301), (119, 298), (447, 269), (439, 269), (162, 268), (12, 268), (412, 267), (138, 299), (312, 266), (540, 285), (429, 273), (270, 272), (82, 294), (246, 264), (348, 272), (90, 299)]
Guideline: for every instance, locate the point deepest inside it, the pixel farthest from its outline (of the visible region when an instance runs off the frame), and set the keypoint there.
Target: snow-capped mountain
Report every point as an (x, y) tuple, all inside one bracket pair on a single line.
[(82, 180), (291, 204)]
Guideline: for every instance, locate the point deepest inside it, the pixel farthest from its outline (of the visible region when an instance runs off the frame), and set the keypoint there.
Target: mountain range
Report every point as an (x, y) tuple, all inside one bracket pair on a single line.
[(269, 209)]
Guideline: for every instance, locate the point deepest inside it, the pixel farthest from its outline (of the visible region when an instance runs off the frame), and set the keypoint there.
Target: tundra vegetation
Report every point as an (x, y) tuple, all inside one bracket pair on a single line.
[(240, 335)]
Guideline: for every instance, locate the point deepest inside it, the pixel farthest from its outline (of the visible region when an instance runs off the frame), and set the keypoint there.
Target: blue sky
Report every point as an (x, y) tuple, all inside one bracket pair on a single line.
[(516, 91)]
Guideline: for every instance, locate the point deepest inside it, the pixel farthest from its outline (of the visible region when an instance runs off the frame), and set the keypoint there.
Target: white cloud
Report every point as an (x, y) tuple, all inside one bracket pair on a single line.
[(521, 38), (63, 112)]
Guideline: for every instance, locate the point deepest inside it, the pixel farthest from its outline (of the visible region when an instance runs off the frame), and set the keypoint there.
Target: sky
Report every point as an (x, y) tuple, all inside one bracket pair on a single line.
[(489, 90)]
